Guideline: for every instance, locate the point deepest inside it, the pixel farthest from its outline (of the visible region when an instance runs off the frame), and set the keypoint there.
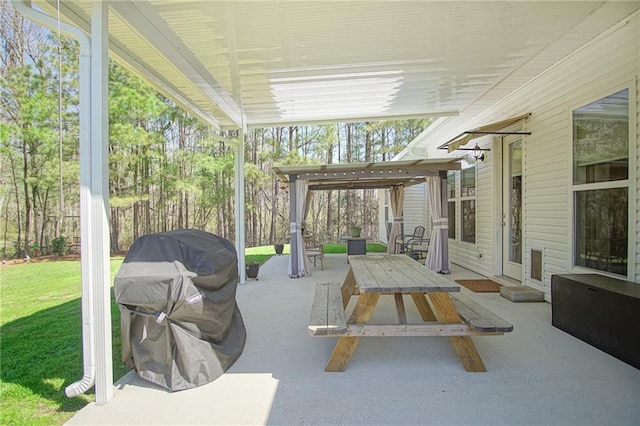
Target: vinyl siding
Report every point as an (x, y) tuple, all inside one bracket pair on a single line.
[(415, 208), (597, 70), (637, 203), (480, 254), (416, 198)]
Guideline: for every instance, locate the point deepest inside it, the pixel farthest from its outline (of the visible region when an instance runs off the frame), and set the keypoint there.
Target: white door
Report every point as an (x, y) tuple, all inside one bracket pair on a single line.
[(512, 208)]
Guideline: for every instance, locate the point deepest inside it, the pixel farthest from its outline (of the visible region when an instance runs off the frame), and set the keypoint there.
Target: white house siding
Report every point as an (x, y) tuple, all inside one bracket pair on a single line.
[(415, 211), (637, 206), (485, 232), (383, 211), (599, 69), (595, 71), (415, 208), (481, 254)]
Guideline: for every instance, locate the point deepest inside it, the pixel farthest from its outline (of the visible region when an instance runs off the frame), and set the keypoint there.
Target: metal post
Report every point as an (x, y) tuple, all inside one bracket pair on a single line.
[(240, 210), (294, 271)]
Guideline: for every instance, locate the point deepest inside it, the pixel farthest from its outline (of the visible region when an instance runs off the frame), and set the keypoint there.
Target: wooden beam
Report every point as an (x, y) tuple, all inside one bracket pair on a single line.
[(346, 346), (413, 330), (445, 311)]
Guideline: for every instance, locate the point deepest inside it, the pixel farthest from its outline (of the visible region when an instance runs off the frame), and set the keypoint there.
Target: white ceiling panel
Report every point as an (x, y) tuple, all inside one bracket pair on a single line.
[(286, 62)]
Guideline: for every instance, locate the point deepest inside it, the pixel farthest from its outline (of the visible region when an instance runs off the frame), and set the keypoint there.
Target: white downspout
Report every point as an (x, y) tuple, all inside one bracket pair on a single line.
[(99, 178), (88, 337)]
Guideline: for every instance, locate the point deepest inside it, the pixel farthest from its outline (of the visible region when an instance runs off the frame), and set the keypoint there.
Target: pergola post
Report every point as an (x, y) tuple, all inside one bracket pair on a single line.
[(294, 251)]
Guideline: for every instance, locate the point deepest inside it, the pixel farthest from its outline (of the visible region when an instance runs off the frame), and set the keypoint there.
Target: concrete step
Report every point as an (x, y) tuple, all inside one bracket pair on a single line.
[(521, 294)]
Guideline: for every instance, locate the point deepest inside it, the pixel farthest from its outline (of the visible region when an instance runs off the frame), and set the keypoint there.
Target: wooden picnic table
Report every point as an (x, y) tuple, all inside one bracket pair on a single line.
[(371, 276)]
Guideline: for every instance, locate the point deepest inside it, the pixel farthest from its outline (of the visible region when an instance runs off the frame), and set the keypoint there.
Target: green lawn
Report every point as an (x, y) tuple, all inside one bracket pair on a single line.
[(260, 254), (41, 340), (342, 248), (263, 253)]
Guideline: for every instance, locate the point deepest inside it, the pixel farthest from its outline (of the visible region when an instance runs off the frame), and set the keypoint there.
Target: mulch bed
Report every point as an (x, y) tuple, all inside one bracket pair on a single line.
[(480, 286)]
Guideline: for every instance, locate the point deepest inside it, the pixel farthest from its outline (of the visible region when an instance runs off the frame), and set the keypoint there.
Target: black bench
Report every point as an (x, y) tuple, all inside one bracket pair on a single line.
[(599, 310)]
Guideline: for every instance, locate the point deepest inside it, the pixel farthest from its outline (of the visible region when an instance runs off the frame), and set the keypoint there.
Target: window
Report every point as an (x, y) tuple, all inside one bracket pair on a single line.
[(600, 183), (468, 204), (462, 200), (469, 221), (468, 184), (451, 184), (451, 202), (452, 219), (388, 220)]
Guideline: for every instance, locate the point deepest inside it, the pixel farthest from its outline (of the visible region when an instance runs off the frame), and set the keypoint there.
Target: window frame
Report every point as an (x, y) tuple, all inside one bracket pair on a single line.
[(454, 174), (629, 184), (457, 201), (472, 198)]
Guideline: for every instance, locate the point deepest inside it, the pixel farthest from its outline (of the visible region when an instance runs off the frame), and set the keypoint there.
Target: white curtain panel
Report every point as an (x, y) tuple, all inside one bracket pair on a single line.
[(396, 198), (434, 255), (298, 261)]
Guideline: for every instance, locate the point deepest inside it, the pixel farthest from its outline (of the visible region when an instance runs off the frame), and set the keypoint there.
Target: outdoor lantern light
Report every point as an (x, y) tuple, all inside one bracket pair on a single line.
[(477, 153)]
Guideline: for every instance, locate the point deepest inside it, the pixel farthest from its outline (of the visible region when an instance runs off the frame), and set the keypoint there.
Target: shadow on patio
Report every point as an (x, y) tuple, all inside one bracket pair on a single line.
[(536, 375)]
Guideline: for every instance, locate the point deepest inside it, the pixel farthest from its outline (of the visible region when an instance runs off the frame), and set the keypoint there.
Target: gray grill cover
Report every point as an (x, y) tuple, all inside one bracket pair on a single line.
[(180, 325)]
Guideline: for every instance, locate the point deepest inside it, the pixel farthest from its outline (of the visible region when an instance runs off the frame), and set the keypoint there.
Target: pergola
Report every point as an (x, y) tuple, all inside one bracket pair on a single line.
[(392, 175)]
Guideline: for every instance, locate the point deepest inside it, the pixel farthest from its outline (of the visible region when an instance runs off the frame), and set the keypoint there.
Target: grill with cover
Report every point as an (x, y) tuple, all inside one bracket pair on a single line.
[(180, 324)]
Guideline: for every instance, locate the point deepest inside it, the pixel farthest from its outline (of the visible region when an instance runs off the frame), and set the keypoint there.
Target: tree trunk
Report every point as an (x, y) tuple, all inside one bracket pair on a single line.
[(292, 138), (115, 230), (45, 204), (18, 204), (27, 201)]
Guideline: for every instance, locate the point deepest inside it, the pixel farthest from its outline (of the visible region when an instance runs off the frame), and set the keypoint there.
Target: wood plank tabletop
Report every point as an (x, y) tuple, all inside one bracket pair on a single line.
[(396, 273)]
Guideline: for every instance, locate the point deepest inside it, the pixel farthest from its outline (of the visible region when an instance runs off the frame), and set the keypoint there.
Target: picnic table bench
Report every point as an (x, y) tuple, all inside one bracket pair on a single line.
[(443, 313)]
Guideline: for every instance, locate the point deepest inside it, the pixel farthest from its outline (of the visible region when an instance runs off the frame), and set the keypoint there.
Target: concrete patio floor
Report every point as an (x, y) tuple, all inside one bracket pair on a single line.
[(536, 375)]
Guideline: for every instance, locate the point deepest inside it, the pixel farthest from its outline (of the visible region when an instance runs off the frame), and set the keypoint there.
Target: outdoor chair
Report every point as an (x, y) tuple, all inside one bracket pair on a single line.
[(418, 249), (404, 241), (315, 251)]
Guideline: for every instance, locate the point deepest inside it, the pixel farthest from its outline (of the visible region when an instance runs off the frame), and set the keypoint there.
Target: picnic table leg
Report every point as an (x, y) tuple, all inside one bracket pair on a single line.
[(402, 313), (423, 307), (348, 287), (346, 346), (445, 311)]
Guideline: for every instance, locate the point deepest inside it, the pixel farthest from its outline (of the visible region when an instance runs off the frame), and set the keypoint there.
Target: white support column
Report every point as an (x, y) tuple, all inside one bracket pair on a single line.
[(99, 202), (87, 271), (240, 210)]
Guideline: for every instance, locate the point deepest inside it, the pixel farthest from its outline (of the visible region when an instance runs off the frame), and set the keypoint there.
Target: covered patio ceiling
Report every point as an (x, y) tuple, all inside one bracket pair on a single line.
[(269, 63), (366, 175)]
